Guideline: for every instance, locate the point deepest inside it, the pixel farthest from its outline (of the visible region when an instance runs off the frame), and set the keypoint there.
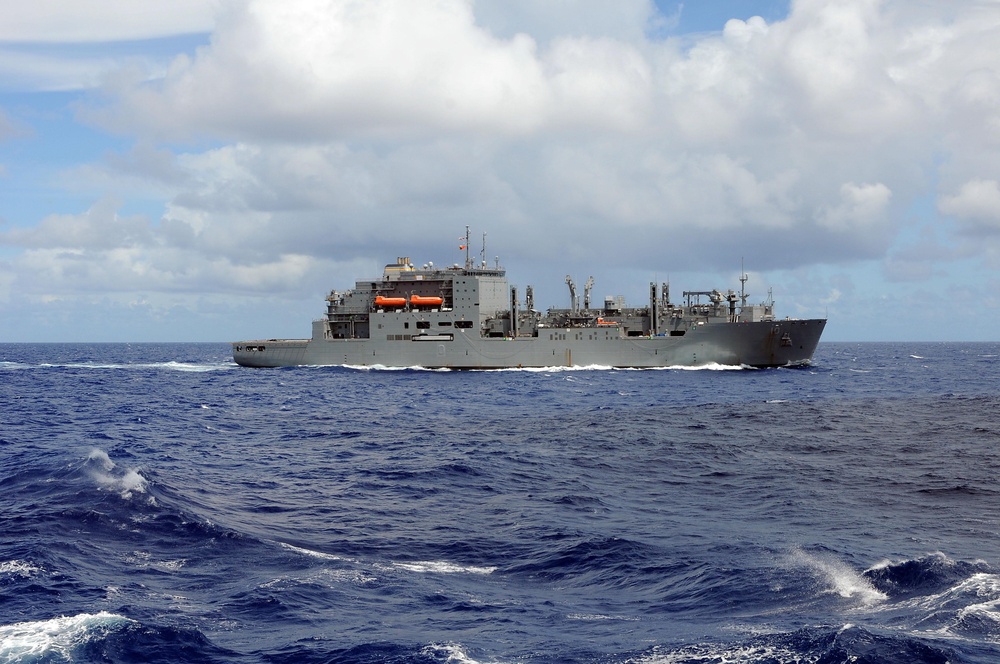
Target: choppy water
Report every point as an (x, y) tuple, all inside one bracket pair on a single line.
[(160, 504)]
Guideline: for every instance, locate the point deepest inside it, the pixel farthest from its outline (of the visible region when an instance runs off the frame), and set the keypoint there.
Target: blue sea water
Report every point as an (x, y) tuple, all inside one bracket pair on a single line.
[(160, 504)]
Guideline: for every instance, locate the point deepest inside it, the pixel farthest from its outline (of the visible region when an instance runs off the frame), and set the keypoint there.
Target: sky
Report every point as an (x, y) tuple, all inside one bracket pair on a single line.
[(208, 170)]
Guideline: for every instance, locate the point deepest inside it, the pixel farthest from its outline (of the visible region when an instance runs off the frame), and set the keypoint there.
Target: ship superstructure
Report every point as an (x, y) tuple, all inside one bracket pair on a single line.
[(469, 317)]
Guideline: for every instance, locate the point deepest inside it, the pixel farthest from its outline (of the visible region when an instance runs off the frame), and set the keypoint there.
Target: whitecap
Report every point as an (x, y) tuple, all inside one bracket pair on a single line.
[(590, 617), (313, 554), (144, 560), (132, 481), (841, 579), (981, 586), (55, 638), (452, 652), (723, 653), (20, 568), (101, 457), (442, 567), (126, 483)]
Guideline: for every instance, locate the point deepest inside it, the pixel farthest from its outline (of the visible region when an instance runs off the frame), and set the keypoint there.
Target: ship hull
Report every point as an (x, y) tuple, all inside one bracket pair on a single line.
[(755, 344)]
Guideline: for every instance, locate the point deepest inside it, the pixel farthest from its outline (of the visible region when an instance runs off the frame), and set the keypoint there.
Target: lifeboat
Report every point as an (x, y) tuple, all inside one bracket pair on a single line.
[(425, 301), (606, 323), (382, 301)]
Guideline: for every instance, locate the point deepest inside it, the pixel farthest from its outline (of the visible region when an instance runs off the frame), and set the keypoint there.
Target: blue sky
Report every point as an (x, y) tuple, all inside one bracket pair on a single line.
[(208, 170)]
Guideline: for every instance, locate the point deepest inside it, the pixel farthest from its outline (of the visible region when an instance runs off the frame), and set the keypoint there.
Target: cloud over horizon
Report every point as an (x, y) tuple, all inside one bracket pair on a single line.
[(310, 138)]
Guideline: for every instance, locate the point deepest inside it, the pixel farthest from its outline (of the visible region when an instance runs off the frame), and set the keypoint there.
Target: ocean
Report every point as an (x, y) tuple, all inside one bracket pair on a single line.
[(159, 503)]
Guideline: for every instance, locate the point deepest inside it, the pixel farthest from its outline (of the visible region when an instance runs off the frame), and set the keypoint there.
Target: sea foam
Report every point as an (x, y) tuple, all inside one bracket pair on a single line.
[(57, 637)]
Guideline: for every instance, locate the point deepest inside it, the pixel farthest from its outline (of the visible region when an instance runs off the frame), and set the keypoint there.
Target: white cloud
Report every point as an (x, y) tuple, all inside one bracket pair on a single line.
[(109, 252), (104, 20), (860, 207), (98, 228), (333, 130), (21, 70), (976, 205), (312, 70), (412, 114)]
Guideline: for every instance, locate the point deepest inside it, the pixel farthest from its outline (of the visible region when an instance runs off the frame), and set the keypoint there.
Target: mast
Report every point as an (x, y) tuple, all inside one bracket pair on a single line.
[(743, 283), (654, 311), (465, 245)]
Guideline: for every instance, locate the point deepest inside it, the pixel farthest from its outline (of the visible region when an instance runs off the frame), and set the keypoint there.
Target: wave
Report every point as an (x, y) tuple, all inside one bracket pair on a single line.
[(18, 568), (589, 617), (60, 638), (970, 609), (316, 651), (419, 567), (187, 367), (443, 567), (313, 554), (127, 483), (840, 578), (848, 643), (425, 566), (931, 574), (105, 637), (943, 596), (451, 653)]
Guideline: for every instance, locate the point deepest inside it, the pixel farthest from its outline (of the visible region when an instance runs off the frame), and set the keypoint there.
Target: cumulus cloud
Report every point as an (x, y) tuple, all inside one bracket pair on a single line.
[(312, 70), (632, 131), (860, 207), (312, 132), (976, 205), (110, 252), (98, 228)]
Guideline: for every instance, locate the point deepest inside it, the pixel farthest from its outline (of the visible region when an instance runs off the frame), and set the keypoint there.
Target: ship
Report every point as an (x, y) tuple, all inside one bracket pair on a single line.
[(467, 316)]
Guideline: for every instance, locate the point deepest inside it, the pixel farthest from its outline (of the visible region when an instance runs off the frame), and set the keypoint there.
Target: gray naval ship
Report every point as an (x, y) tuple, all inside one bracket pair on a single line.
[(468, 317)]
